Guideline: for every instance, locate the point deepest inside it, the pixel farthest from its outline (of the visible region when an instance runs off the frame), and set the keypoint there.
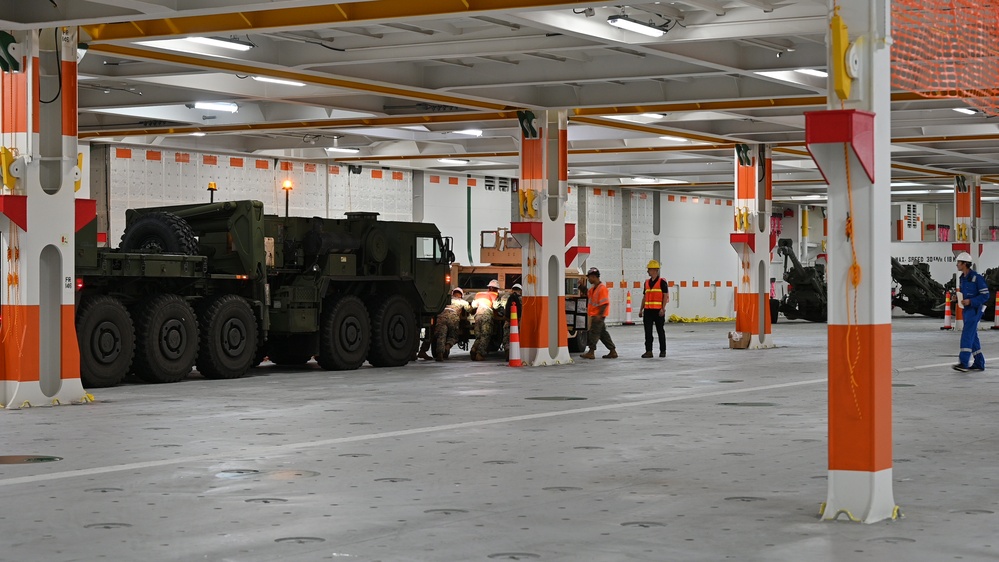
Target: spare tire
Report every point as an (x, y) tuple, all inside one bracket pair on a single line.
[(159, 232)]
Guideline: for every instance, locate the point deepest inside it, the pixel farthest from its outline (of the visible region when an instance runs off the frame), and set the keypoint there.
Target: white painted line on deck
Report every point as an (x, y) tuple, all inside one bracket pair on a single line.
[(278, 449)]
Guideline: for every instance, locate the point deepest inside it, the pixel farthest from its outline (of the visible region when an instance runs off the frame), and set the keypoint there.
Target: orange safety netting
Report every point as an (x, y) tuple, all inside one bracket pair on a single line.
[(947, 49)]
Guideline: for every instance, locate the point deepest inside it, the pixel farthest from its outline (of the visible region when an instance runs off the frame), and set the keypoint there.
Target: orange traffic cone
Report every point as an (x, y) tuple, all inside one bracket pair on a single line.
[(959, 316), (627, 312), (995, 322), (514, 338), (947, 315)]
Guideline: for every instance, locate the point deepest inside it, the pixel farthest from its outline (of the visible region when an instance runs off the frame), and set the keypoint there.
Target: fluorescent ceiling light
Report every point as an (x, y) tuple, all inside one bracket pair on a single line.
[(656, 116), (343, 150), (217, 106), (624, 22), (922, 191), (278, 81), (645, 180), (673, 139), (813, 72), (197, 134), (451, 161), (470, 132), (804, 198), (656, 180), (234, 44), (905, 184), (965, 110)]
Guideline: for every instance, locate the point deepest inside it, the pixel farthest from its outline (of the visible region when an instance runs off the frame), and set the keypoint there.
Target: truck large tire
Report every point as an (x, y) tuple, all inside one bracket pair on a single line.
[(166, 339), (344, 335), (292, 351), (107, 341), (228, 331), (577, 341), (161, 232), (393, 333)]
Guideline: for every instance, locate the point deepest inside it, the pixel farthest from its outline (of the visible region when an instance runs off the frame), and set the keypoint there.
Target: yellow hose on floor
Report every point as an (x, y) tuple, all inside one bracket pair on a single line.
[(676, 319)]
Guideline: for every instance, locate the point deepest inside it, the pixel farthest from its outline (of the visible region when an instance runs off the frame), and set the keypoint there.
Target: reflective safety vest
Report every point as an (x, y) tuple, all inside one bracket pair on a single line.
[(485, 296), (654, 294)]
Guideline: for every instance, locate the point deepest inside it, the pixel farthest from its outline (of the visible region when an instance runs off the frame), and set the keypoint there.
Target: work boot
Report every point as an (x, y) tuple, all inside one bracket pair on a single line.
[(661, 354), (611, 355), (647, 355), (960, 367), (423, 355), (588, 355)]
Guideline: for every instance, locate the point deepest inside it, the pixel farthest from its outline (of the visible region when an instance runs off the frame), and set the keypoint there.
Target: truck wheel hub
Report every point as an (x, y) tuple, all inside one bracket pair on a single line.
[(173, 339), (233, 337), (350, 335), (106, 342)]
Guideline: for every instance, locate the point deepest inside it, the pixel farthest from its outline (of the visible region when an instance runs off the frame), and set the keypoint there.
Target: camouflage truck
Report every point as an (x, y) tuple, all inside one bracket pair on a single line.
[(222, 285)]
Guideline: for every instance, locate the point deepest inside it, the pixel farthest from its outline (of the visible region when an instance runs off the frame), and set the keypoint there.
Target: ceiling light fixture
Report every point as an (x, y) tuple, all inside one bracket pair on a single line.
[(813, 72), (470, 132), (965, 110), (673, 139), (344, 150), (217, 106), (656, 116), (278, 81), (233, 43), (199, 134), (624, 22), (452, 161)]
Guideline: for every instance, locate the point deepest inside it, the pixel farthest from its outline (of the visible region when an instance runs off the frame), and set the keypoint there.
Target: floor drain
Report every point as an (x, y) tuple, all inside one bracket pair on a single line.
[(665, 435), (26, 459), (902, 384), (745, 499), (658, 469), (392, 479), (270, 434), (555, 398), (747, 404), (446, 511), (299, 540), (106, 526), (644, 524), (355, 455), (499, 462), (561, 488), (237, 473), (587, 448), (166, 446), (892, 540), (608, 419), (973, 511), (738, 454), (513, 556), (104, 490), (729, 381), (266, 500)]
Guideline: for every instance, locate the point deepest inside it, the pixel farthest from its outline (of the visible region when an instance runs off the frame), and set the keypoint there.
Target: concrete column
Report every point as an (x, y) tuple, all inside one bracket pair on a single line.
[(542, 232), (851, 143), (751, 240), (967, 216), (39, 356)]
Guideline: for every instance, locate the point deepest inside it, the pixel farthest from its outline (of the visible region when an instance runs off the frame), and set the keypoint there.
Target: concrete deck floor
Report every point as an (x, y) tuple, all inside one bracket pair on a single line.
[(459, 461)]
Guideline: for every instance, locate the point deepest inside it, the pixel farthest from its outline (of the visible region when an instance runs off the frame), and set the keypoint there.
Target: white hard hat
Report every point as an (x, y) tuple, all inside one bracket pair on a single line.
[(964, 256), (457, 290), (518, 286), (494, 284)]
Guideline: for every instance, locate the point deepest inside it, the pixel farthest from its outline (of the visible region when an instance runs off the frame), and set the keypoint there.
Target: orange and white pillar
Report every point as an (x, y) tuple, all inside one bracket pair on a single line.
[(851, 144), (39, 357), (751, 240), (541, 231), (967, 216)]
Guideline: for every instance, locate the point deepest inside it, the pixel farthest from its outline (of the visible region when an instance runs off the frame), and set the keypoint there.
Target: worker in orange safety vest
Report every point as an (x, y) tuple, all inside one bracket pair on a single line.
[(655, 297)]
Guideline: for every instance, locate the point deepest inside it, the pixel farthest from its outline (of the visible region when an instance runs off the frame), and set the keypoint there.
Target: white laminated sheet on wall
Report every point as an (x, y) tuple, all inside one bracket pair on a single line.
[(603, 236)]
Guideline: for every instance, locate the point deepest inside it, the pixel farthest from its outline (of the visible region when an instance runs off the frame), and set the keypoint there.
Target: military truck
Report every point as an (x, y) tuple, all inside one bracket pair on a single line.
[(806, 296), (220, 286), (916, 291)]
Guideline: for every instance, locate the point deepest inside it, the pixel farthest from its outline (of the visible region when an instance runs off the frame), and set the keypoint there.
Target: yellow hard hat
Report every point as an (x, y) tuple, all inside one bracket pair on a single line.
[(653, 264)]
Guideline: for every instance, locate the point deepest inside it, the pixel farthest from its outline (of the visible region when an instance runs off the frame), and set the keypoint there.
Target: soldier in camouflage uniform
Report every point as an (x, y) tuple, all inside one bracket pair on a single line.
[(448, 324), (484, 314)]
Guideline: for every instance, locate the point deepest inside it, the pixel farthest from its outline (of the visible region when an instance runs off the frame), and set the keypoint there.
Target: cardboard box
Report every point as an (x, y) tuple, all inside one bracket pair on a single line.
[(738, 340)]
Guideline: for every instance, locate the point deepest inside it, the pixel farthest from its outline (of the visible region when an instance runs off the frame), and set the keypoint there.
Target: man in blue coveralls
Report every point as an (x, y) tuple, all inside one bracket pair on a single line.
[(975, 293)]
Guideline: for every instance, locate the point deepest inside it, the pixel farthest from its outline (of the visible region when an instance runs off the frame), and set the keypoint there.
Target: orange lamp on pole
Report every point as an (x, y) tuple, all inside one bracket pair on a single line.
[(286, 185), (211, 191)]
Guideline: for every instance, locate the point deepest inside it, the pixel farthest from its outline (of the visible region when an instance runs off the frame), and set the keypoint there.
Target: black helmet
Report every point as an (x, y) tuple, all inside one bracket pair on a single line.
[(593, 271)]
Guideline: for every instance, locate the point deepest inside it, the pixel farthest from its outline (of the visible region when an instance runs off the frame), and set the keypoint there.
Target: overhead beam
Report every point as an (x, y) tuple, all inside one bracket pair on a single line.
[(332, 81), (311, 17)]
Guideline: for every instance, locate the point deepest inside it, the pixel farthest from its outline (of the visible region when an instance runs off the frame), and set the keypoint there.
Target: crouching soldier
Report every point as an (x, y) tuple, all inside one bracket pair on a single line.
[(484, 314), (448, 324)]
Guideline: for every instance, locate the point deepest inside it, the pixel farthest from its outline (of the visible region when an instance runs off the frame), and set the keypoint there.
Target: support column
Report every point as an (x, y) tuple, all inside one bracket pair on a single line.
[(967, 216), (751, 240), (852, 145), (543, 235), (38, 344)]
